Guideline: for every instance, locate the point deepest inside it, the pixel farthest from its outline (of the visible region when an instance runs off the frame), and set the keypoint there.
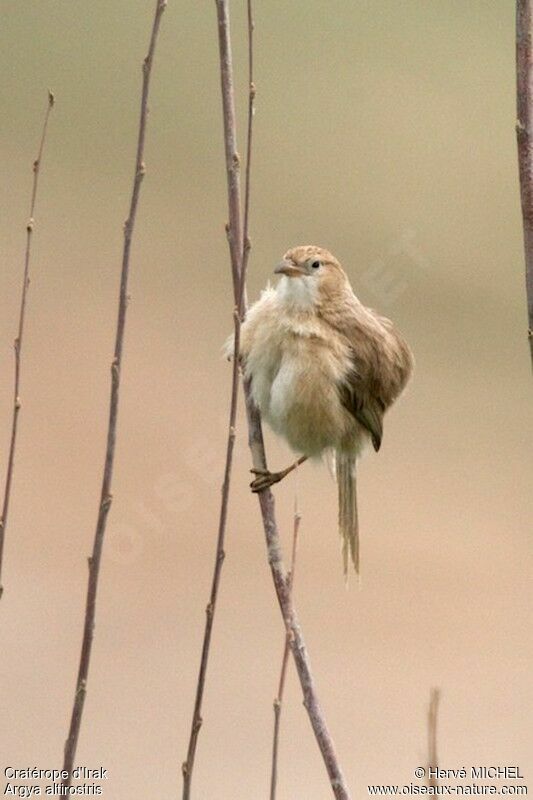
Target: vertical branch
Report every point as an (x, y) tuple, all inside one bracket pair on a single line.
[(288, 611), (524, 136), (255, 435), (233, 161), (248, 172), (116, 364), (19, 339), (433, 710), (239, 243), (188, 765), (283, 672)]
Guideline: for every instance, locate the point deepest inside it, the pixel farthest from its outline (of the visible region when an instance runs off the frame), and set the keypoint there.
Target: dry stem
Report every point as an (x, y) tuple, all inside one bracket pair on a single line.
[(19, 340), (284, 660), (524, 136), (247, 181), (188, 765), (106, 496), (292, 626), (433, 710), (240, 248), (266, 499)]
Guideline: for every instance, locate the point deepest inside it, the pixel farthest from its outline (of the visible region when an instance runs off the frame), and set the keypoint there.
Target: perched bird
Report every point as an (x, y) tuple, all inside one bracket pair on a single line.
[(323, 369)]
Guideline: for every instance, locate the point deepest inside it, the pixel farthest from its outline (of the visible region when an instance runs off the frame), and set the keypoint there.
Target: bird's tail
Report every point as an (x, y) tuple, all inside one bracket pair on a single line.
[(348, 524)]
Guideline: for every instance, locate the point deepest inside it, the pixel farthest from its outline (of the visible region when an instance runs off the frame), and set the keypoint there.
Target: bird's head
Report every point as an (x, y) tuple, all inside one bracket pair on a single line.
[(311, 272)]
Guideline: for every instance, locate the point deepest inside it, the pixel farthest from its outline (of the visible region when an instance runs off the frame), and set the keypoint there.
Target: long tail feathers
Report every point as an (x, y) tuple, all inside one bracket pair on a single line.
[(348, 523)]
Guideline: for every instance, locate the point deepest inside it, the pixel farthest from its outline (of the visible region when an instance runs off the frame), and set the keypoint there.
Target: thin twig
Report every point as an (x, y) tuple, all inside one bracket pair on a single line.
[(524, 136), (239, 272), (433, 710), (233, 161), (106, 496), (248, 171), (290, 618), (284, 660), (188, 765), (255, 435), (19, 339)]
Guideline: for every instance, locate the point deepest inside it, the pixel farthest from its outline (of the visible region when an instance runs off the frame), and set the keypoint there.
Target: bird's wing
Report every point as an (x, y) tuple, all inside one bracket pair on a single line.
[(380, 363), (361, 389), (366, 407)]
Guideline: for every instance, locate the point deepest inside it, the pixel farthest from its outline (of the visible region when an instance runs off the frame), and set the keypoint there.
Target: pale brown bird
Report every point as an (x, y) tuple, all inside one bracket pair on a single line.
[(323, 369)]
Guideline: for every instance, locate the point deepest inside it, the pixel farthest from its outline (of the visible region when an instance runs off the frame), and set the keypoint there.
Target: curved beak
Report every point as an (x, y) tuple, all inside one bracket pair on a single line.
[(289, 269)]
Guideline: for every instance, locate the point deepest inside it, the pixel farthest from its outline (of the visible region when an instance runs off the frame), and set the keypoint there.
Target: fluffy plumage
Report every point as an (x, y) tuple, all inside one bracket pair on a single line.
[(323, 368)]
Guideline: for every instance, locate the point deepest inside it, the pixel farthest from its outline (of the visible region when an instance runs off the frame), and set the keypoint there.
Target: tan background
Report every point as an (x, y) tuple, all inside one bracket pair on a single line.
[(384, 131)]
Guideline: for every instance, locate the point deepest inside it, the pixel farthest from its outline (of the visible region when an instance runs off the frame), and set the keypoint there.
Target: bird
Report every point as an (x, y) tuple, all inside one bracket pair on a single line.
[(323, 370)]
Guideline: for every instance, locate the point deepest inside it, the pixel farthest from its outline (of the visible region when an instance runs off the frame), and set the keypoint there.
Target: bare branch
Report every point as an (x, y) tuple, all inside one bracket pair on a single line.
[(266, 499), (19, 340), (284, 660), (233, 162), (292, 625), (239, 249), (433, 710), (188, 765), (106, 496), (248, 173), (524, 136)]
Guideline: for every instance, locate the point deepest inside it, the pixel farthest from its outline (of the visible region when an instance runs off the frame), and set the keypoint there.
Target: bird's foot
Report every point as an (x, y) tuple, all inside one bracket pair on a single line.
[(265, 479)]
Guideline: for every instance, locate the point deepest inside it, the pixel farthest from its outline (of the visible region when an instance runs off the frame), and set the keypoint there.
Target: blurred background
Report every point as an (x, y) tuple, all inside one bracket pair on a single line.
[(385, 132)]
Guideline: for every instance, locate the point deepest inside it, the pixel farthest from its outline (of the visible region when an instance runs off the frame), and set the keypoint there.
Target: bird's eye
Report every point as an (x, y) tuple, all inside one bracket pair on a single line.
[(315, 264)]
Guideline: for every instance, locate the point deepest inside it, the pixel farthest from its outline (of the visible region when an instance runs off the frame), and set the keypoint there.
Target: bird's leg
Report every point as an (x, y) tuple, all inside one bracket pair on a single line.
[(265, 478)]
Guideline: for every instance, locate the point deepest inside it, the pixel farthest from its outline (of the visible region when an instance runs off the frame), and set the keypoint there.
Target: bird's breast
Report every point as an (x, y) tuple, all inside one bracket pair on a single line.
[(295, 375)]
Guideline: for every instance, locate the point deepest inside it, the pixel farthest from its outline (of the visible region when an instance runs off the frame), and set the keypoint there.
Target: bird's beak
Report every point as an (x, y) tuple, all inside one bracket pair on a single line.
[(289, 268)]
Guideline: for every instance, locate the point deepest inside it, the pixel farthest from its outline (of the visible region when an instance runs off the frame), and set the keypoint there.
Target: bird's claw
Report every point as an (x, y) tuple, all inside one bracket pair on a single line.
[(264, 479)]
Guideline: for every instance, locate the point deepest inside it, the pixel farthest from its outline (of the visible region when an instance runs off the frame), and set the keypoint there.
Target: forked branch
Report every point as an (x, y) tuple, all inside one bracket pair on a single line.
[(188, 765), (239, 247), (292, 625), (266, 499), (524, 136), (278, 702), (19, 339), (105, 495)]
